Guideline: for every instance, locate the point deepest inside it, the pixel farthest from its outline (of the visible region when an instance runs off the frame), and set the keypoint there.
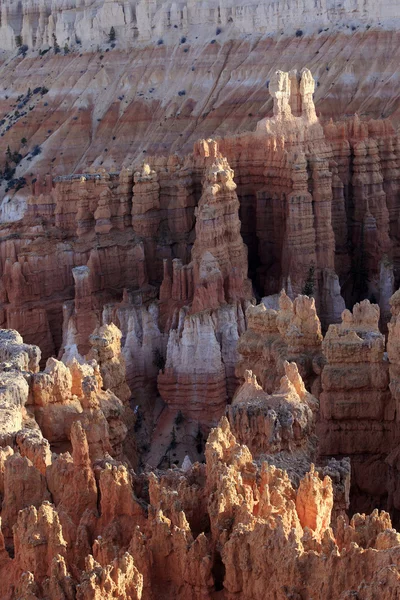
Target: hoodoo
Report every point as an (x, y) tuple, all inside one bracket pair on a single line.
[(199, 300)]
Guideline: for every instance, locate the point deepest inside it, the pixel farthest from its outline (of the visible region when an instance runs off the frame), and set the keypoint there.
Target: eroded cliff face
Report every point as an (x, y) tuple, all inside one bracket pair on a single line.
[(162, 434), (160, 251), (89, 24), (110, 106), (318, 212)]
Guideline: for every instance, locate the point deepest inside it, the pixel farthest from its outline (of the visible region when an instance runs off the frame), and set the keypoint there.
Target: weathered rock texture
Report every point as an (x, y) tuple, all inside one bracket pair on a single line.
[(291, 333), (93, 239), (140, 21), (96, 530), (352, 373), (283, 421), (97, 246), (198, 376), (358, 411)]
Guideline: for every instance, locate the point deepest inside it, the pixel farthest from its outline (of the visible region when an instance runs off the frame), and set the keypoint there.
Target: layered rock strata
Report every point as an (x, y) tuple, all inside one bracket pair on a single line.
[(350, 373), (201, 353), (314, 220), (139, 21), (358, 411), (271, 423)]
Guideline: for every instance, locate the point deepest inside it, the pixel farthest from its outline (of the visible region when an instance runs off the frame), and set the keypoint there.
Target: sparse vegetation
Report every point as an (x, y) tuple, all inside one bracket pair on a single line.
[(309, 285), (22, 50), (199, 441), (173, 444), (36, 151), (56, 47), (158, 360), (8, 172), (18, 41), (112, 36), (179, 418), (16, 184)]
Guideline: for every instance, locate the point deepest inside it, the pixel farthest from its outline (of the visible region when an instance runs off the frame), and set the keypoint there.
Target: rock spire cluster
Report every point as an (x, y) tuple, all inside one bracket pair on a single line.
[(162, 432)]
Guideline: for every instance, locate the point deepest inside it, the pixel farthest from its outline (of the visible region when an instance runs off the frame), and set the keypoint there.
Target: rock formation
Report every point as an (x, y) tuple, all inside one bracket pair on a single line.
[(157, 178), (293, 333), (89, 527), (219, 256), (357, 409), (201, 352), (283, 421), (106, 239), (138, 21)]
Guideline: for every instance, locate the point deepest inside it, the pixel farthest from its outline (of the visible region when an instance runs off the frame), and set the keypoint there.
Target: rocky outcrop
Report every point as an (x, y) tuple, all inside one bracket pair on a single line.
[(357, 409), (198, 375), (219, 256), (103, 236), (94, 239), (293, 197), (283, 421), (290, 333), (183, 532), (121, 579)]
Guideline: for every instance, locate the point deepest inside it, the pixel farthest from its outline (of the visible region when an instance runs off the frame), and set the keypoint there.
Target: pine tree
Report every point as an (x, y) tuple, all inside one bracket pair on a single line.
[(309, 285), (55, 44), (173, 443), (112, 35)]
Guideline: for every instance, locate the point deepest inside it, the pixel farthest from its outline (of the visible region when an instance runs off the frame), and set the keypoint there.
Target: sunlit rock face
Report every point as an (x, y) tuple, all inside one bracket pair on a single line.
[(186, 211)]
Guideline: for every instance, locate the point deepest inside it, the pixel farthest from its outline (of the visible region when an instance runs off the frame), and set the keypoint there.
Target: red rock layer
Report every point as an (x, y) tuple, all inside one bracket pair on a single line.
[(201, 353), (299, 214)]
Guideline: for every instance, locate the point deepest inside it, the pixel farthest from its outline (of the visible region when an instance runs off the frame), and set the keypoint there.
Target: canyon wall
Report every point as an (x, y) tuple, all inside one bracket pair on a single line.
[(186, 211), (89, 24), (314, 218), (113, 106)]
